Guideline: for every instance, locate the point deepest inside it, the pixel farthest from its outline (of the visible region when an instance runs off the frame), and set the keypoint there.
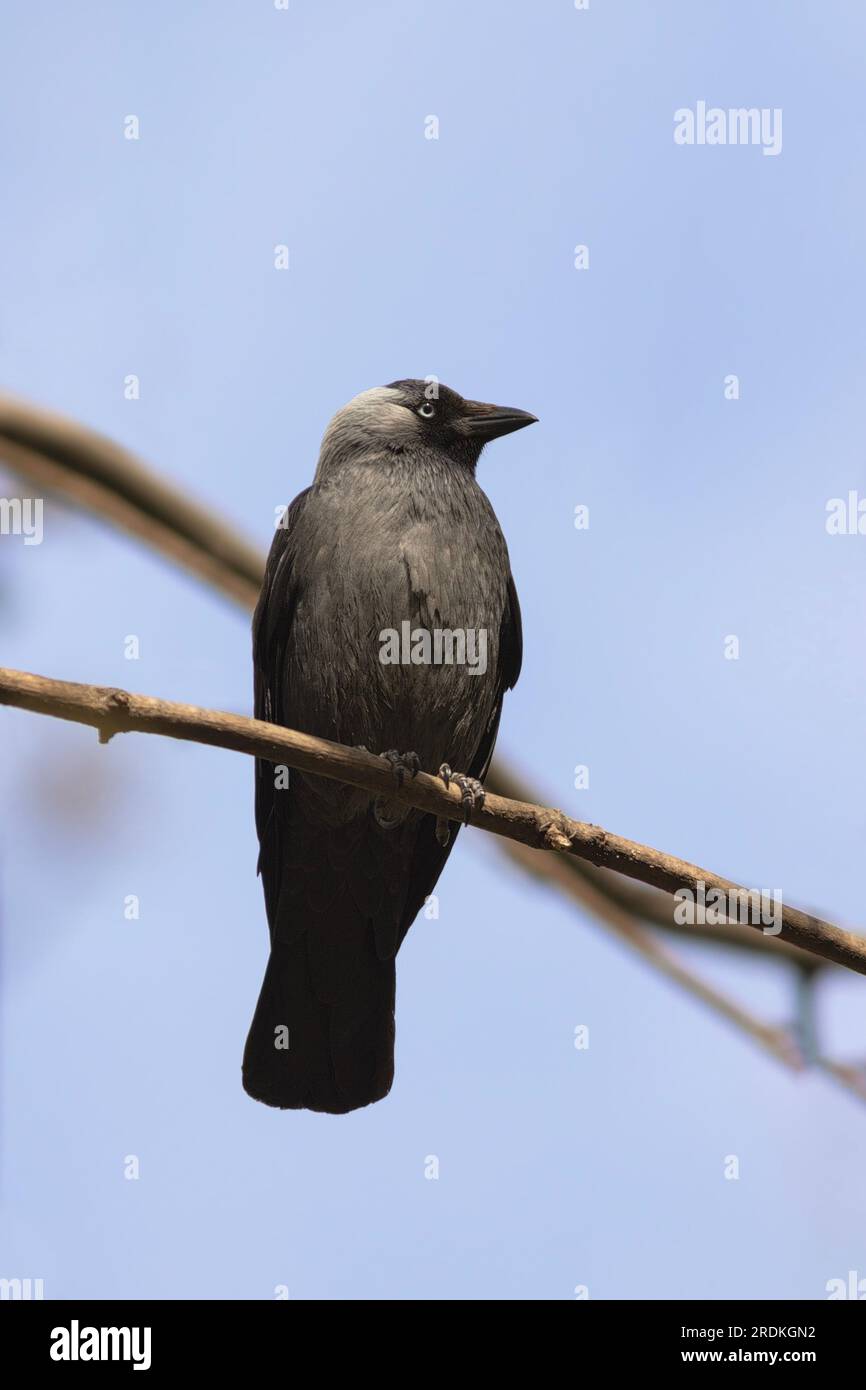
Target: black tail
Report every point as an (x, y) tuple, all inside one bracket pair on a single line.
[(323, 1033), (339, 903)]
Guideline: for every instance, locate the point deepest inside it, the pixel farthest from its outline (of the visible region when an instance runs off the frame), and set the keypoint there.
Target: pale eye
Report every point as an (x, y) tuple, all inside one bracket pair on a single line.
[(427, 410)]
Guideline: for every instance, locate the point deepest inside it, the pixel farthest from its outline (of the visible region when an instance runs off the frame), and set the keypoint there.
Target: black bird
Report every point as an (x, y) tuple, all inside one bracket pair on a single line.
[(394, 538)]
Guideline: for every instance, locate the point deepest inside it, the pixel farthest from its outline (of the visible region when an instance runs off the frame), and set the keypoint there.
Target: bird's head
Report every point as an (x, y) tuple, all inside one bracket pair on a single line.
[(421, 416)]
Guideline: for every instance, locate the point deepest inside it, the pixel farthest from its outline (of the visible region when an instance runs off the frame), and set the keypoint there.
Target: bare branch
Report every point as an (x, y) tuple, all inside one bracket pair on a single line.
[(559, 869), (647, 904), (114, 711), (85, 468), (63, 456), (89, 470)]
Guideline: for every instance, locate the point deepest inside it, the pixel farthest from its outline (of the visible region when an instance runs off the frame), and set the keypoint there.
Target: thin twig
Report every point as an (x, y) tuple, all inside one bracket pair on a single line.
[(63, 456), (650, 904), (113, 711), (87, 469), (558, 869), (850, 1078), (91, 471)]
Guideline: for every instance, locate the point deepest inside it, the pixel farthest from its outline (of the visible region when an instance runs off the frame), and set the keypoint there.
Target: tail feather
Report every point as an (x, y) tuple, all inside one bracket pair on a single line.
[(307, 1053), (322, 1037)]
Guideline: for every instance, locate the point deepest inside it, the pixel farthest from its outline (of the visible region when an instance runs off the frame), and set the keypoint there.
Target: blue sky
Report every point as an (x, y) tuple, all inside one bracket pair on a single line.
[(454, 256)]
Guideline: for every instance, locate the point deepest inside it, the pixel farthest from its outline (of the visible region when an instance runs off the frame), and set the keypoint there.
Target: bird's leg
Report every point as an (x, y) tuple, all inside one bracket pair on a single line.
[(401, 764), (472, 793)]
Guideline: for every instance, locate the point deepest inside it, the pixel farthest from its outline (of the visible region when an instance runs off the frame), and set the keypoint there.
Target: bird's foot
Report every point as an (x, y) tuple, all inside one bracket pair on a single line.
[(389, 814), (402, 764), (472, 793)]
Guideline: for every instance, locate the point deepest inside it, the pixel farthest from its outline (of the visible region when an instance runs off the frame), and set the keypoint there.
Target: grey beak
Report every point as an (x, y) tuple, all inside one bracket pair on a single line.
[(484, 422)]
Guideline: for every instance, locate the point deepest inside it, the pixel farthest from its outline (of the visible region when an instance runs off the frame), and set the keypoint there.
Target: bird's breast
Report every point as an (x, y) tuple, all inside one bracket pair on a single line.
[(397, 630)]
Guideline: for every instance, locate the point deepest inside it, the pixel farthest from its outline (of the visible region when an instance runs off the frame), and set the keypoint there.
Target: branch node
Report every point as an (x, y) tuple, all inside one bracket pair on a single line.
[(115, 702), (556, 835)]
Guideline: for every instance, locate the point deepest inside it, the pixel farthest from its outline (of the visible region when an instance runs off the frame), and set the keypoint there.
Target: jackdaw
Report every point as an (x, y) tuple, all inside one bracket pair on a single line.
[(386, 581)]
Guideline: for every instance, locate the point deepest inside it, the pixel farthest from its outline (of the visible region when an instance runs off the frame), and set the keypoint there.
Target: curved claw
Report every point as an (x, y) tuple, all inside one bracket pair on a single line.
[(401, 764), (472, 794)]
